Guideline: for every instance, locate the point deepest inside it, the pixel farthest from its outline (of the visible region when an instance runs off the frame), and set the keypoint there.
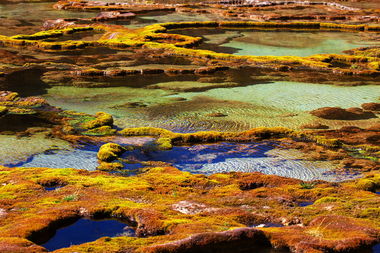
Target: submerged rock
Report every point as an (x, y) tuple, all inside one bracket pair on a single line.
[(371, 106), (338, 113), (314, 126), (108, 15)]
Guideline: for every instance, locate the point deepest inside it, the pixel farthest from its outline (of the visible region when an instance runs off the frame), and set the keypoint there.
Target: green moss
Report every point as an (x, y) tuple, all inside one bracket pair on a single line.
[(326, 200), (374, 65), (207, 136), (102, 119), (164, 143), (3, 110), (335, 143), (149, 199), (367, 184), (114, 166), (306, 185), (370, 212), (110, 151), (157, 36), (100, 131)]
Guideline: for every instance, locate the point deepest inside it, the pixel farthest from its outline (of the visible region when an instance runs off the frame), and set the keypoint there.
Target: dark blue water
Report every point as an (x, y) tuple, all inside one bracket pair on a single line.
[(85, 230), (306, 203), (52, 188), (376, 248), (226, 157), (194, 157)]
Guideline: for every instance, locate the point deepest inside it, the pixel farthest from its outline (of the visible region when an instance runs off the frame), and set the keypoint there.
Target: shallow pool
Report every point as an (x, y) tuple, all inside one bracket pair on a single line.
[(277, 103), (86, 230), (278, 42), (264, 157)]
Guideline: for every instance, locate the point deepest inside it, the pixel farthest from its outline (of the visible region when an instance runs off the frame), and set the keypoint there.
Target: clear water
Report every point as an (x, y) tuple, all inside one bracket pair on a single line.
[(264, 157), (297, 43), (143, 20), (14, 150), (86, 230), (280, 42), (26, 18), (77, 159), (296, 96), (261, 157), (277, 103)]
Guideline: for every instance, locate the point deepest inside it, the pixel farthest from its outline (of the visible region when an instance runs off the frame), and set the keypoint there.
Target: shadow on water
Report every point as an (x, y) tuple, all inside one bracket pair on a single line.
[(18, 123), (78, 231), (25, 82)]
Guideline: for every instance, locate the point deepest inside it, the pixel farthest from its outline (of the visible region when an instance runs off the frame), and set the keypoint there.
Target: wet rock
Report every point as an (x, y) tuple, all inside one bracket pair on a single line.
[(210, 70), (362, 164), (375, 127), (177, 99), (108, 15), (338, 113), (3, 212), (371, 106), (189, 207), (59, 23), (314, 126), (10, 57), (152, 71), (217, 114)]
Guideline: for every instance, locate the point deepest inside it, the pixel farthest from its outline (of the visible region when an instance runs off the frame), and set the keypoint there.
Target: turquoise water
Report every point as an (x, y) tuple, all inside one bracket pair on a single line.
[(143, 20), (279, 43), (277, 103), (297, 96)]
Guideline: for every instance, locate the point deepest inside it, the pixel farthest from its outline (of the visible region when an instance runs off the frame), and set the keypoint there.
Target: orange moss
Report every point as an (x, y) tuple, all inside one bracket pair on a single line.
[(157, 201)]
